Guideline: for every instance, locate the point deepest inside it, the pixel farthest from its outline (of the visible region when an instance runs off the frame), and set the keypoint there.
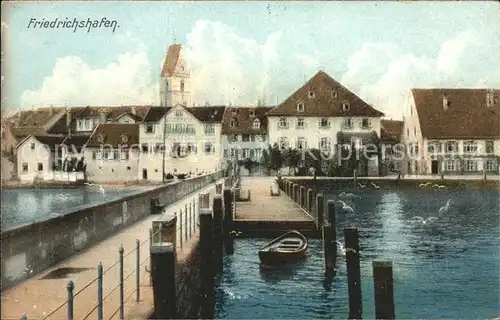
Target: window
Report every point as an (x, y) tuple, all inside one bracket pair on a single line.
[(300, 107), (100, 138), (145, 148), (470, 146), (209, 129), (324, 123), (451, 146), (334, 94), (234, 112), (366, 123), (256, 124), (245, 137), (258, 153), (408, 132), (40, 166), (490, 165), (283, 143), (346, 106), (209, 148), (490, 147), (150, 128), (301, 143), (129, 168), (324, 143), (252, 138), (252, 153), (111, 155), (300, 123), (124, 138), (226, 153), (311, 94), (416, 148), (191, 148), (32, 146), (234, 123), (124, 154), (252, 113), (470, 165), (434, 147), (356, 142), (246, 153), (178, 113), (348, 123), (283, 123), (182, 85), (25, 167), (414, 131), (234, 152), (97, 155), (450, 165)]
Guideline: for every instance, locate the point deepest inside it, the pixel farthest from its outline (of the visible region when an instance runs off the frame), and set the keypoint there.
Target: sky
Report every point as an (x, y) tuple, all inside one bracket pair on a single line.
[(239, 52)]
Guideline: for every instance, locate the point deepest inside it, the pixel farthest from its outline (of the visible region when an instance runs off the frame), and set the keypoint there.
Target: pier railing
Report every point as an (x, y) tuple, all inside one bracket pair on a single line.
[(131, 270)]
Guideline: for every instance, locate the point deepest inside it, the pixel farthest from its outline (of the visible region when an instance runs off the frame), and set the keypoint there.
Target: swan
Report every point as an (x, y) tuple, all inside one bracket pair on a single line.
[(347, 208), (445, 208), (361, 185), (375, 186), (101, 189), (422, 220), (423, 185)]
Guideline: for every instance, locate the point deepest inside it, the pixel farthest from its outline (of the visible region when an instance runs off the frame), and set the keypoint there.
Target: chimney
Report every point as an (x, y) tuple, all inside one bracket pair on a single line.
[(133, 111), (490, 98), (446, 103), (68, 121), (102, 117)]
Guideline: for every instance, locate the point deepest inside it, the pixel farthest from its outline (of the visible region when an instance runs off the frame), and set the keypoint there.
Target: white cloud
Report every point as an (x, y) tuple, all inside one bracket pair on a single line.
[(383, 77), (74, 82), (227, 67)]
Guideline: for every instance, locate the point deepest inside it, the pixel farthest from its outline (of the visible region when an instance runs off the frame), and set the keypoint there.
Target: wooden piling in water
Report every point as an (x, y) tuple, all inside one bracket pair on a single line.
[(228, 221), (163, 279), (207, 259), (320, 207), (309, 201), (218, 233), (353, 272), (384, 290), (333, 222), (355, 178), (328, 253)]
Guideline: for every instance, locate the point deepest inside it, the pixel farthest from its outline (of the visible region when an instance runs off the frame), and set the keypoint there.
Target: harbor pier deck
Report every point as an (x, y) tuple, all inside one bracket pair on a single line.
[(266, 214)]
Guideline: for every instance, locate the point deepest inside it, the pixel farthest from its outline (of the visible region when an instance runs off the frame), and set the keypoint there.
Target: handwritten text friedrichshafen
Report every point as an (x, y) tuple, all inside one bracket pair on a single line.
[(74, 24)]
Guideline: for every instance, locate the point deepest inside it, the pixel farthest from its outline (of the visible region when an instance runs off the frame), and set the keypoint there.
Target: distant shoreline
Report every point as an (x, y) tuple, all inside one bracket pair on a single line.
[(75, 185)]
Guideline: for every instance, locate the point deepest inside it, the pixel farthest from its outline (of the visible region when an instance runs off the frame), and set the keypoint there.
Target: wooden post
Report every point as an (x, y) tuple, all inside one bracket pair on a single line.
[(353, 273), (168, 226), (218, 188), (384, 290), (327, 249), (309, 201), (207, 261), (163, 274), (355, 178), (333, 222), (303, 196), (218, 233), (203, 201), (228, 221), (320, 207)]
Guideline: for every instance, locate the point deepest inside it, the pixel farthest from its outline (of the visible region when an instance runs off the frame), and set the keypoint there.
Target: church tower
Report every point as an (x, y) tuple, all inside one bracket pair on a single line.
[(175, 79)]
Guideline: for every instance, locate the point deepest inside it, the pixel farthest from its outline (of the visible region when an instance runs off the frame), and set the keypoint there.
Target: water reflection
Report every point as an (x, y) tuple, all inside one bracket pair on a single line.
[(276, 274)]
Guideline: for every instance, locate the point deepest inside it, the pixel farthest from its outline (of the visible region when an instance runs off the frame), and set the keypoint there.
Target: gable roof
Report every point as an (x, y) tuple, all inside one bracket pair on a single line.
[(391, 130), (51, 141), (329, 96), (35, 117), (173, 54), (112, 134), (466, 117), (212, 114), (154, 114), (244, 120), (23, 132)]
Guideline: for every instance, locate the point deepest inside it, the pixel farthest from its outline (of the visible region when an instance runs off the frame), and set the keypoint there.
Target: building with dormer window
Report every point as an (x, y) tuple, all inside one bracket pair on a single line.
[(323, 114)]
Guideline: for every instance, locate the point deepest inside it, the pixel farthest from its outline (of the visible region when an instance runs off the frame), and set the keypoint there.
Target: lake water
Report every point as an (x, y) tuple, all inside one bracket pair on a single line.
[(448, 268), (21, 206)]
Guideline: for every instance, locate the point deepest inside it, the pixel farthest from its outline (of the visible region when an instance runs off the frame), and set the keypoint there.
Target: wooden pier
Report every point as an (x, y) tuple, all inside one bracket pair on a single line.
[(268, 211)]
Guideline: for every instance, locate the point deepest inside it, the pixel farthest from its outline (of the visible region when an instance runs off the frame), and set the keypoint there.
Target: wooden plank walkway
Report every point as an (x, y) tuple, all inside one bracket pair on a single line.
[(263, 206)]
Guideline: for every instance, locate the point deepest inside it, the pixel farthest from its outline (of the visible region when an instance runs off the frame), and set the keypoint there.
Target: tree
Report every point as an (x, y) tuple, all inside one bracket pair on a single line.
[(265, 160), (248, 164), (275, 157), (291, 157)]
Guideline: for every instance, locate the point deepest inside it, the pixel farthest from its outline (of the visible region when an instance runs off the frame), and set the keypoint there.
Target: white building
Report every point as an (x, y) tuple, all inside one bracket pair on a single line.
[(320, 115), (244, 135), (175, 79), (112, 153), (191, 136), (452, 131)]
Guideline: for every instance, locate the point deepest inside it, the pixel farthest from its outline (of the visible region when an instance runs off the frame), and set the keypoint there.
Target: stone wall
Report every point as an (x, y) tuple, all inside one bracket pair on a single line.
[(30, 249), (188, 285)]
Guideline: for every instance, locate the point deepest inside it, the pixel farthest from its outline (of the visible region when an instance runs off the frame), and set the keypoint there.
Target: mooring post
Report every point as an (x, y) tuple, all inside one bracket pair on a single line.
[(355, 178), (309, 201), (70, 287), (137, 267), (99, 291), (353, 273), (163, 274), (303, 197), (320, 207), (186, 222), (333, 222), (328, 249), (228, 221), (122, 315), (180, 227), (218, 233), (384, 290), (207, 257)]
